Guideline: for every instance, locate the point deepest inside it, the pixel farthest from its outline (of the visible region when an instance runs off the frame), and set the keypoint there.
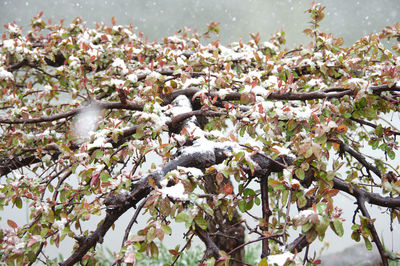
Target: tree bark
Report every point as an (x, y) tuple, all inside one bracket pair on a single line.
[(226, 233)]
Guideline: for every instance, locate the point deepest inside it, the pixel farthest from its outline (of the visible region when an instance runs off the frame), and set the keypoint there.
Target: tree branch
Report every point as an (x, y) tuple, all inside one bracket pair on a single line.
[(191, 156), (74, 112), (298, 244), (211, 248), (116, 206), (182, 249), (266, 213), (346, 148), (372, 198), (375, 237), (336, 92), (362, 122), (132, 221), (262, 238)]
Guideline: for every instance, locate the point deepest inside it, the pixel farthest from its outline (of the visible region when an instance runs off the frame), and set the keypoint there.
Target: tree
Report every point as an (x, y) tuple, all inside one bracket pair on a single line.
[(82, 110)]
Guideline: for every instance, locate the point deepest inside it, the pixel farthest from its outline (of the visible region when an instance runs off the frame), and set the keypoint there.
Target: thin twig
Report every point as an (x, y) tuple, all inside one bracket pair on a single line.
[(273, 237), (286, 218), (133, 220), (375, 237), (182, 249)]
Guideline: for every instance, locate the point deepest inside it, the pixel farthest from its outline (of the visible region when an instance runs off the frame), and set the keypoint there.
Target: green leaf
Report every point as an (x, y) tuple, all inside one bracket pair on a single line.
[(338, 227), (242, 206), (151, 234), (346, 115), (208, 209), (200, 221), (249, 204), (356, 236), (368, 244), (154, 250), (43, 232), (31, 256), (375, 144), (166, 229), (50, 216), (299, 173), (99, 154), (18, 203), (321, 207), (285, 195), (263, 262), (104, 176), (322, 226), (182, 217), (391, 154), (308, 153), (257, 201), (242, 131), (301, 202), (379, 131), (306, 227), (249, 192)]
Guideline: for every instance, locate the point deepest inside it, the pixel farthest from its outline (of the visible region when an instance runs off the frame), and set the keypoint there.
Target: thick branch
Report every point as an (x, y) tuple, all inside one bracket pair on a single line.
[(328, 93), (116, 206), (346, 148), (74, 112), (211, 248), (298, 244), (6, 166), (192, 156), (15, 163), (266, 213), (372, 198)]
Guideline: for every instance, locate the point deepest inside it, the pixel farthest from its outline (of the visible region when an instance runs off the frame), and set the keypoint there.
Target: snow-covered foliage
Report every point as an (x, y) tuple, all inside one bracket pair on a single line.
[(84, 108)]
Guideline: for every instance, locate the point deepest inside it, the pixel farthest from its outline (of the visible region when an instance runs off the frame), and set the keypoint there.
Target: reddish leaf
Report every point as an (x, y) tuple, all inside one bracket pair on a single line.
[(260, 109), (140, 58), (317, 262), (228, 189), (95, 179), (104, 37), (173, 252), (254, 83), (12, 224), (315, 117), (113, 21), (214, 99), (84, 46), (290, 79)]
